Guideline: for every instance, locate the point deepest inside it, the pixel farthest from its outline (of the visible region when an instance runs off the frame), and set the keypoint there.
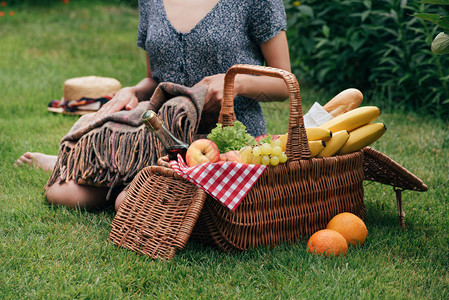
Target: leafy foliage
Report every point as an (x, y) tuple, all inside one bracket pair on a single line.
[(230, 138), (265, 139), (440, 44), (378, 47)]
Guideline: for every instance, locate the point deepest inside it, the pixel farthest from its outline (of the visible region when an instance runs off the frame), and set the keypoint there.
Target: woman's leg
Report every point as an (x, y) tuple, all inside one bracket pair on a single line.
[(73, 195), (38, 160), (119, 199)]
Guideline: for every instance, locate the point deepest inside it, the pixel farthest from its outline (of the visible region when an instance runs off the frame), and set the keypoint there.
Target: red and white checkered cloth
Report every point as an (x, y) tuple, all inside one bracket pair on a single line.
[(228, 182)]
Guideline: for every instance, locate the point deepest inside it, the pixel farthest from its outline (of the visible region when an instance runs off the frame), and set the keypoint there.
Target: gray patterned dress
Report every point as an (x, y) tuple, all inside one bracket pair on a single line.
[(229, 34)]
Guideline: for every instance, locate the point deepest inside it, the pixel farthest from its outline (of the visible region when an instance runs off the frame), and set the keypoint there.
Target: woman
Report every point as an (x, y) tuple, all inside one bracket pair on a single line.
[(195, 42)]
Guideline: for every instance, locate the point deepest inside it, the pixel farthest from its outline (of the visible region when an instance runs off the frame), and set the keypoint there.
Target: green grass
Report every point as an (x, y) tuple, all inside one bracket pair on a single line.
[(51, 252)]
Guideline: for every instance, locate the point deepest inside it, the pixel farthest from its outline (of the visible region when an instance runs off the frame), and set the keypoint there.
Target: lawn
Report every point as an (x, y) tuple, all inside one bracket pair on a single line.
[(52, 252)]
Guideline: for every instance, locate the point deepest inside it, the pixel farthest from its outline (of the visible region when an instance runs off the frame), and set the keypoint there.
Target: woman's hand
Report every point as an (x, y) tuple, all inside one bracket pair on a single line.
[(124, 98), (213, 100), (214, 95)]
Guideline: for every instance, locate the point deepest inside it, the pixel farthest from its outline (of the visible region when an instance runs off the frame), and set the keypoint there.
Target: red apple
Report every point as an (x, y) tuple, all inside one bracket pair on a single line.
[(202, 151), (233, 155)]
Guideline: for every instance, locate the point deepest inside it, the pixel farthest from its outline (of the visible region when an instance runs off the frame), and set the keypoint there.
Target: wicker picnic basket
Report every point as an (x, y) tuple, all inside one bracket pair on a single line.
[(290, 200), (161, 210)]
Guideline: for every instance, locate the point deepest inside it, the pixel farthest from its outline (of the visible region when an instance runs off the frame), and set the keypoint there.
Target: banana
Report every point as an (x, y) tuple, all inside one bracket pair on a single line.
[(362, 137), (318, 133), (334, 144), (353, 119), (316, 147)]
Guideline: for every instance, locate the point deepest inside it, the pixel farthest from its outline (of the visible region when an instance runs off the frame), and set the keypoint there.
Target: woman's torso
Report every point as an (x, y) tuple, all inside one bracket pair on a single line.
[(222, 38)]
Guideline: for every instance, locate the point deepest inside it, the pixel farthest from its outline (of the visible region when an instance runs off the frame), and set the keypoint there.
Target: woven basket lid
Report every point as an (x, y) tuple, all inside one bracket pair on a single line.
[(89, 87), (158, 213), (381, 168)]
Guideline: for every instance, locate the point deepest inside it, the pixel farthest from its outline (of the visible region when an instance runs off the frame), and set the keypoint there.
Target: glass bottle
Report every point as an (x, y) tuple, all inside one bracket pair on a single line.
[(172, 145)]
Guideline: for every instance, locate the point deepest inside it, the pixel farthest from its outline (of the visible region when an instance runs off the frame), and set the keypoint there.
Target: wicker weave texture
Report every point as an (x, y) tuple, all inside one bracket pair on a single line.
[(158, 214), (288, 203), (381, 168)]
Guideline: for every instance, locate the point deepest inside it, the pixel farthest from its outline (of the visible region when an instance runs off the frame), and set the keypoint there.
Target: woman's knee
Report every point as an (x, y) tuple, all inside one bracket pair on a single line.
[(74, 195)]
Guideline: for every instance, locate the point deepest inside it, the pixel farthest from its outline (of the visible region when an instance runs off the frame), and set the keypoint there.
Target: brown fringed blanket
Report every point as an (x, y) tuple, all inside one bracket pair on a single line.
[(110, 151)]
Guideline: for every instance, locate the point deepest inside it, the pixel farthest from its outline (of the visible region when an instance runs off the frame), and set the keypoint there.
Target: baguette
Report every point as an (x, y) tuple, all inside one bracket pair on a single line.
[(344, 102)]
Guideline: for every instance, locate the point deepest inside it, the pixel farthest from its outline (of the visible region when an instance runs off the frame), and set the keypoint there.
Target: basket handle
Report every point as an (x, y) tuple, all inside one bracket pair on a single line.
[(297, 144)]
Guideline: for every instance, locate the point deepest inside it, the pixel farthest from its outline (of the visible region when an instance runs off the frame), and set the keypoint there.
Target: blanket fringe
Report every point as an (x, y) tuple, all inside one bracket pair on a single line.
[(122, 157)]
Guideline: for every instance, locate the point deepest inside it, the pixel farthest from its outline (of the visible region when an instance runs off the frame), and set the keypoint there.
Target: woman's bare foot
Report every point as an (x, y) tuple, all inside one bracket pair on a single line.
[(37, 160)]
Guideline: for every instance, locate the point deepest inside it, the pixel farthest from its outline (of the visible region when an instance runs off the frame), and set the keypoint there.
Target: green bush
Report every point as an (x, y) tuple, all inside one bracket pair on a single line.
[(440, 44), (378, 47)]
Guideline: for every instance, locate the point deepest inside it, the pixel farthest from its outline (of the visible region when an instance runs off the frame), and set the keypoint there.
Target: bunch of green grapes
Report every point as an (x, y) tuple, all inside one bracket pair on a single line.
[(264, 154)]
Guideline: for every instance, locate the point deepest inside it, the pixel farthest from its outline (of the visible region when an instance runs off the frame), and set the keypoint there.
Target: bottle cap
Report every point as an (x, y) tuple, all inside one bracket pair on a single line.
[(151, 119)]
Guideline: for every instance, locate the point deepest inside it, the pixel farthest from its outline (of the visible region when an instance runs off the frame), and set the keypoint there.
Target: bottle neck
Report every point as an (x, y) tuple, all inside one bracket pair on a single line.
[(172, 145)]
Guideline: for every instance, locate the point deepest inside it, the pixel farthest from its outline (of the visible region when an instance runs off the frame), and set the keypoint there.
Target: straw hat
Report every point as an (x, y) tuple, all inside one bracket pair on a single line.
[(89, 87), (84, 95)]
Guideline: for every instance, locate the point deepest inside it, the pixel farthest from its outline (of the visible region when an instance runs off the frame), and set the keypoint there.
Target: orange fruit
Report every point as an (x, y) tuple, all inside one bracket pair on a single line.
[(351, 227), (327, 242)]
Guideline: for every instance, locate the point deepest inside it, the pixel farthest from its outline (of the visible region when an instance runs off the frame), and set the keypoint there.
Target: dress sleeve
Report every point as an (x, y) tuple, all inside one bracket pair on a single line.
[(143, 24), (266, 19)]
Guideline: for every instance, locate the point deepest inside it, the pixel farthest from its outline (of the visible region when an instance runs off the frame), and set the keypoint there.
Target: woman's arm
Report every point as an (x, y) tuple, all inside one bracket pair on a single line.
[(261, 88), (129, 97), (145, 88), (264, 88)]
